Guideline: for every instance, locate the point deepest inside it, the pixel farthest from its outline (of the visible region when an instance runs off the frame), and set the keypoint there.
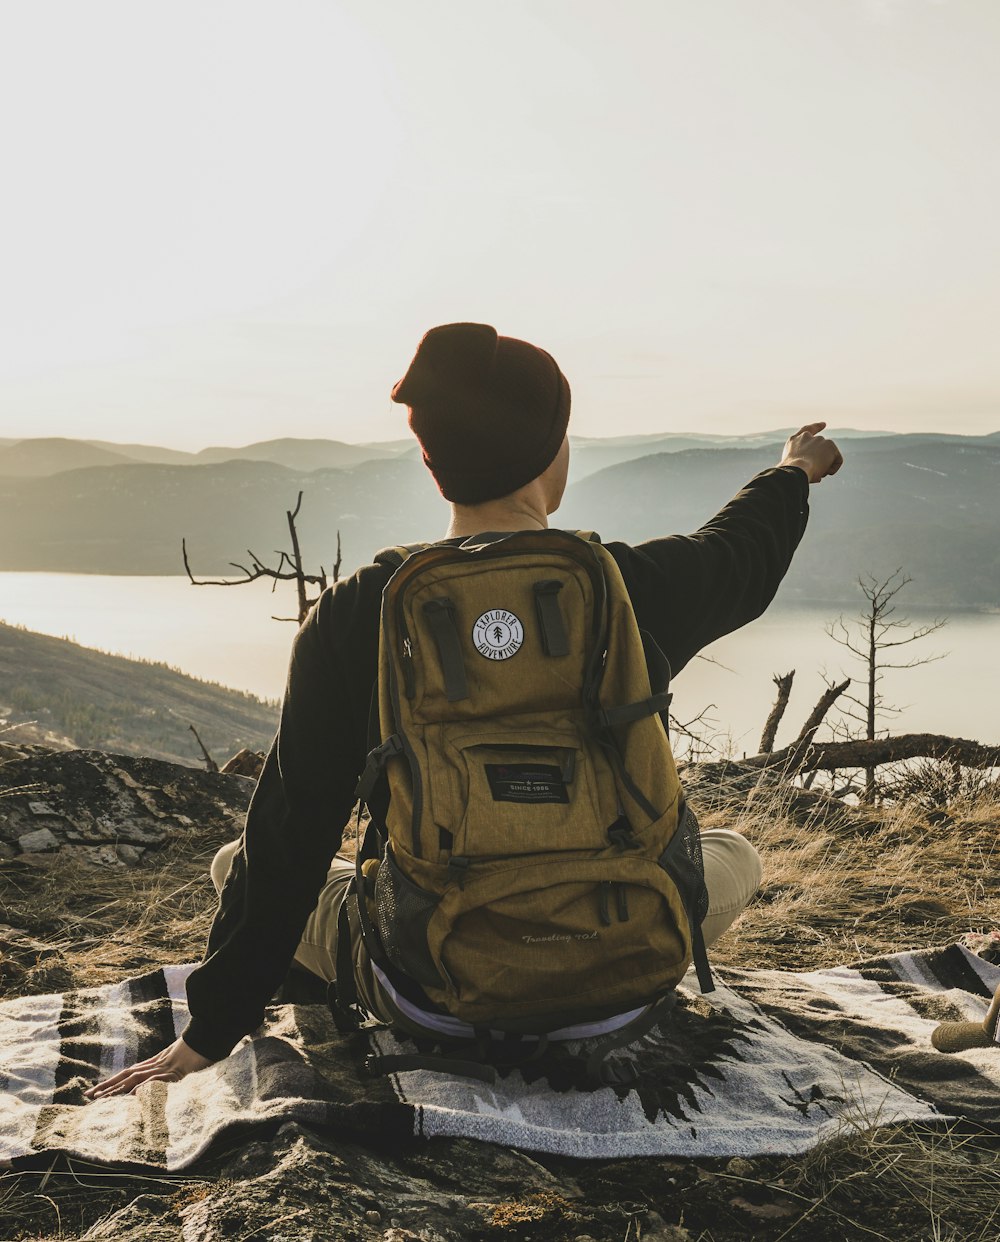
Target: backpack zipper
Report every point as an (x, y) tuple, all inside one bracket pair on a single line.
[(411, 758), (409, 682)]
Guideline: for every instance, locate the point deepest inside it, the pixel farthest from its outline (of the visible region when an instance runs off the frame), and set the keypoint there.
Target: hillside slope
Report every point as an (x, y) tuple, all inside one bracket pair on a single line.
[(297, 454), (35, 458), (131, 519), (76, 696)]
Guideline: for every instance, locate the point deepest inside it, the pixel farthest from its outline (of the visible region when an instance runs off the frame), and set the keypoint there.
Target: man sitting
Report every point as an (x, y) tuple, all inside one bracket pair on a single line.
[(491, 415)]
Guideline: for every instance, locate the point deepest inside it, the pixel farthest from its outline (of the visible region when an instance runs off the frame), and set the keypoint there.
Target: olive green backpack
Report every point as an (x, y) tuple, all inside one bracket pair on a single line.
[(537, 867)]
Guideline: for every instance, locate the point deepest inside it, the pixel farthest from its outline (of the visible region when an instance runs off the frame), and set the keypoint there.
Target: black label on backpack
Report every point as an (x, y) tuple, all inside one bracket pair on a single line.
[(526, 782)]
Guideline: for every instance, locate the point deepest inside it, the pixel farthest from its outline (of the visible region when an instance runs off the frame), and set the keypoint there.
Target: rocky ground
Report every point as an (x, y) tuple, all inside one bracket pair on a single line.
[(104, 871)]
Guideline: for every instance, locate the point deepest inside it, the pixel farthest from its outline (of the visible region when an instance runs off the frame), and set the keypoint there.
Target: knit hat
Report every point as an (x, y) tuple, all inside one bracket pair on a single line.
[(490, 412), (959, 1036)]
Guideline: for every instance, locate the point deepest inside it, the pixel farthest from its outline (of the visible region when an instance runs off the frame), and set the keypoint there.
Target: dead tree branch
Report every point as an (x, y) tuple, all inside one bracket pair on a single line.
[(210, 764), (784, 684), (830, 756), (294, 573), (791, 756), (300, 578), (699, 733), (826, 700)]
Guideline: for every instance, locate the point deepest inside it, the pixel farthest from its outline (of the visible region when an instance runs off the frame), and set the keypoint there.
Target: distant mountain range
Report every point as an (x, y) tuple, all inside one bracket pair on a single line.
[(35, 457), (927, 502), (55, 691)]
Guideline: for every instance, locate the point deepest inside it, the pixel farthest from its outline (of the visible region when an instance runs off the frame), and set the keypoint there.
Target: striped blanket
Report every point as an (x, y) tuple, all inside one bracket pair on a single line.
[(772, 1063)]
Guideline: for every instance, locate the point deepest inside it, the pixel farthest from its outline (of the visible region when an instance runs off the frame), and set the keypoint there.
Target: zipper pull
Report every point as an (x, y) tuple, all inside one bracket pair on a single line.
[(409, 682), (622, 899), (604, 899)]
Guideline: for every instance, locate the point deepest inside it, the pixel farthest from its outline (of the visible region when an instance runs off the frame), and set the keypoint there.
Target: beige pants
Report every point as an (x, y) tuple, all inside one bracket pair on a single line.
[(732, 876)]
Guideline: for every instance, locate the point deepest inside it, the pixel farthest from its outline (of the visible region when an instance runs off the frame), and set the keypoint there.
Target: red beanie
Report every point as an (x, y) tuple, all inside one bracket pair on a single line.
[(490, 412)]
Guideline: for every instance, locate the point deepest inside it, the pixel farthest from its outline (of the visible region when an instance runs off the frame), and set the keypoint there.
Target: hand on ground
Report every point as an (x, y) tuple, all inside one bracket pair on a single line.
[(170, 1065), (812, 453)]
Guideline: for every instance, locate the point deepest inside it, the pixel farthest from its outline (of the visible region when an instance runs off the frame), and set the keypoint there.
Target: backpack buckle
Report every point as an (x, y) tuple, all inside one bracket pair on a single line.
[(374, 764), (620, 834), (459, 865)]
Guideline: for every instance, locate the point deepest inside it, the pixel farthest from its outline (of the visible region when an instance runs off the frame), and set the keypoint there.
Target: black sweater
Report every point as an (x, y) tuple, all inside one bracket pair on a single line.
[(687, 591)]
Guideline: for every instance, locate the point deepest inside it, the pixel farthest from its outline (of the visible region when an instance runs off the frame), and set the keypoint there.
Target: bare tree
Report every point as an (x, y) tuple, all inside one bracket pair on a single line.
[(868, 636), (289, 569)]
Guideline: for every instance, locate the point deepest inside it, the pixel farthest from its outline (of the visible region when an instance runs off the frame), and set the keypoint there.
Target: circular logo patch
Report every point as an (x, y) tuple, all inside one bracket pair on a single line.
[(498, 634)]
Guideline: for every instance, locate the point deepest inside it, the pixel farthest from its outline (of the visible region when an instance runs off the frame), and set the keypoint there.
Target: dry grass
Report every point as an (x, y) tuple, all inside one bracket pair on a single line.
[(837, 892), (68, 1198), (99, 925), (104, 924), (941, 1184)]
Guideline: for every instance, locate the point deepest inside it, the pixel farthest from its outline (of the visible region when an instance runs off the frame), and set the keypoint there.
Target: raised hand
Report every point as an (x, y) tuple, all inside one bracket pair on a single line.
[(170, 1065), (813, 453)]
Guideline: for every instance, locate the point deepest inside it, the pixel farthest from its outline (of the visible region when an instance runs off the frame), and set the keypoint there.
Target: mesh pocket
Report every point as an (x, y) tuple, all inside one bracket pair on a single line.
[(402, 913), (683, 862)]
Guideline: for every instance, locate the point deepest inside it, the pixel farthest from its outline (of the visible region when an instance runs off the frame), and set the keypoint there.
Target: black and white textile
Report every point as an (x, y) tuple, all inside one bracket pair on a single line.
[(772, 1063)]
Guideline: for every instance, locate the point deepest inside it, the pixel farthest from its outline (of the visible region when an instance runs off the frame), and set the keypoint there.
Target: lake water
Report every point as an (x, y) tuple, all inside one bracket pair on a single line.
[(226, 635)]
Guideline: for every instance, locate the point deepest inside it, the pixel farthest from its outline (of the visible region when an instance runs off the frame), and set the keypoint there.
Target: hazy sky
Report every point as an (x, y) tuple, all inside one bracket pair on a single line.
[(229, 220)]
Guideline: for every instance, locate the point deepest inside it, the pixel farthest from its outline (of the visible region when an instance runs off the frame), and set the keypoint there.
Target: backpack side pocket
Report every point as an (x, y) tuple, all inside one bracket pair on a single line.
[(403, 911)]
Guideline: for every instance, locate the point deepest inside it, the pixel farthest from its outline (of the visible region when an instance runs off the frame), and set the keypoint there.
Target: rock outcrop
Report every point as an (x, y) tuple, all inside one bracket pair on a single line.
[(108, 809), (301, 1185)]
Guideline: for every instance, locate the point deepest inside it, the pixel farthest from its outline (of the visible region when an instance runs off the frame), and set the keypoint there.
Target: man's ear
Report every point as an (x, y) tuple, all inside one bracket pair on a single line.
[(555, 477)]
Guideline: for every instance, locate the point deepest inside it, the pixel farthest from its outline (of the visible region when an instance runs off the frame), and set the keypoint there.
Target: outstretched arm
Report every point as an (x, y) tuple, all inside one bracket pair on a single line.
[(689, 590)]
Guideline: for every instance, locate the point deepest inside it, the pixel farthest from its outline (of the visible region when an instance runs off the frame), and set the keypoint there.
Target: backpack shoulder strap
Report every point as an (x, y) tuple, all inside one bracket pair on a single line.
[(394, 557)]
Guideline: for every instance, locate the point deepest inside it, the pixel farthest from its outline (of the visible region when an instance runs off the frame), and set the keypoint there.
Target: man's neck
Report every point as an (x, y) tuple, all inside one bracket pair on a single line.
[(501, 515)]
